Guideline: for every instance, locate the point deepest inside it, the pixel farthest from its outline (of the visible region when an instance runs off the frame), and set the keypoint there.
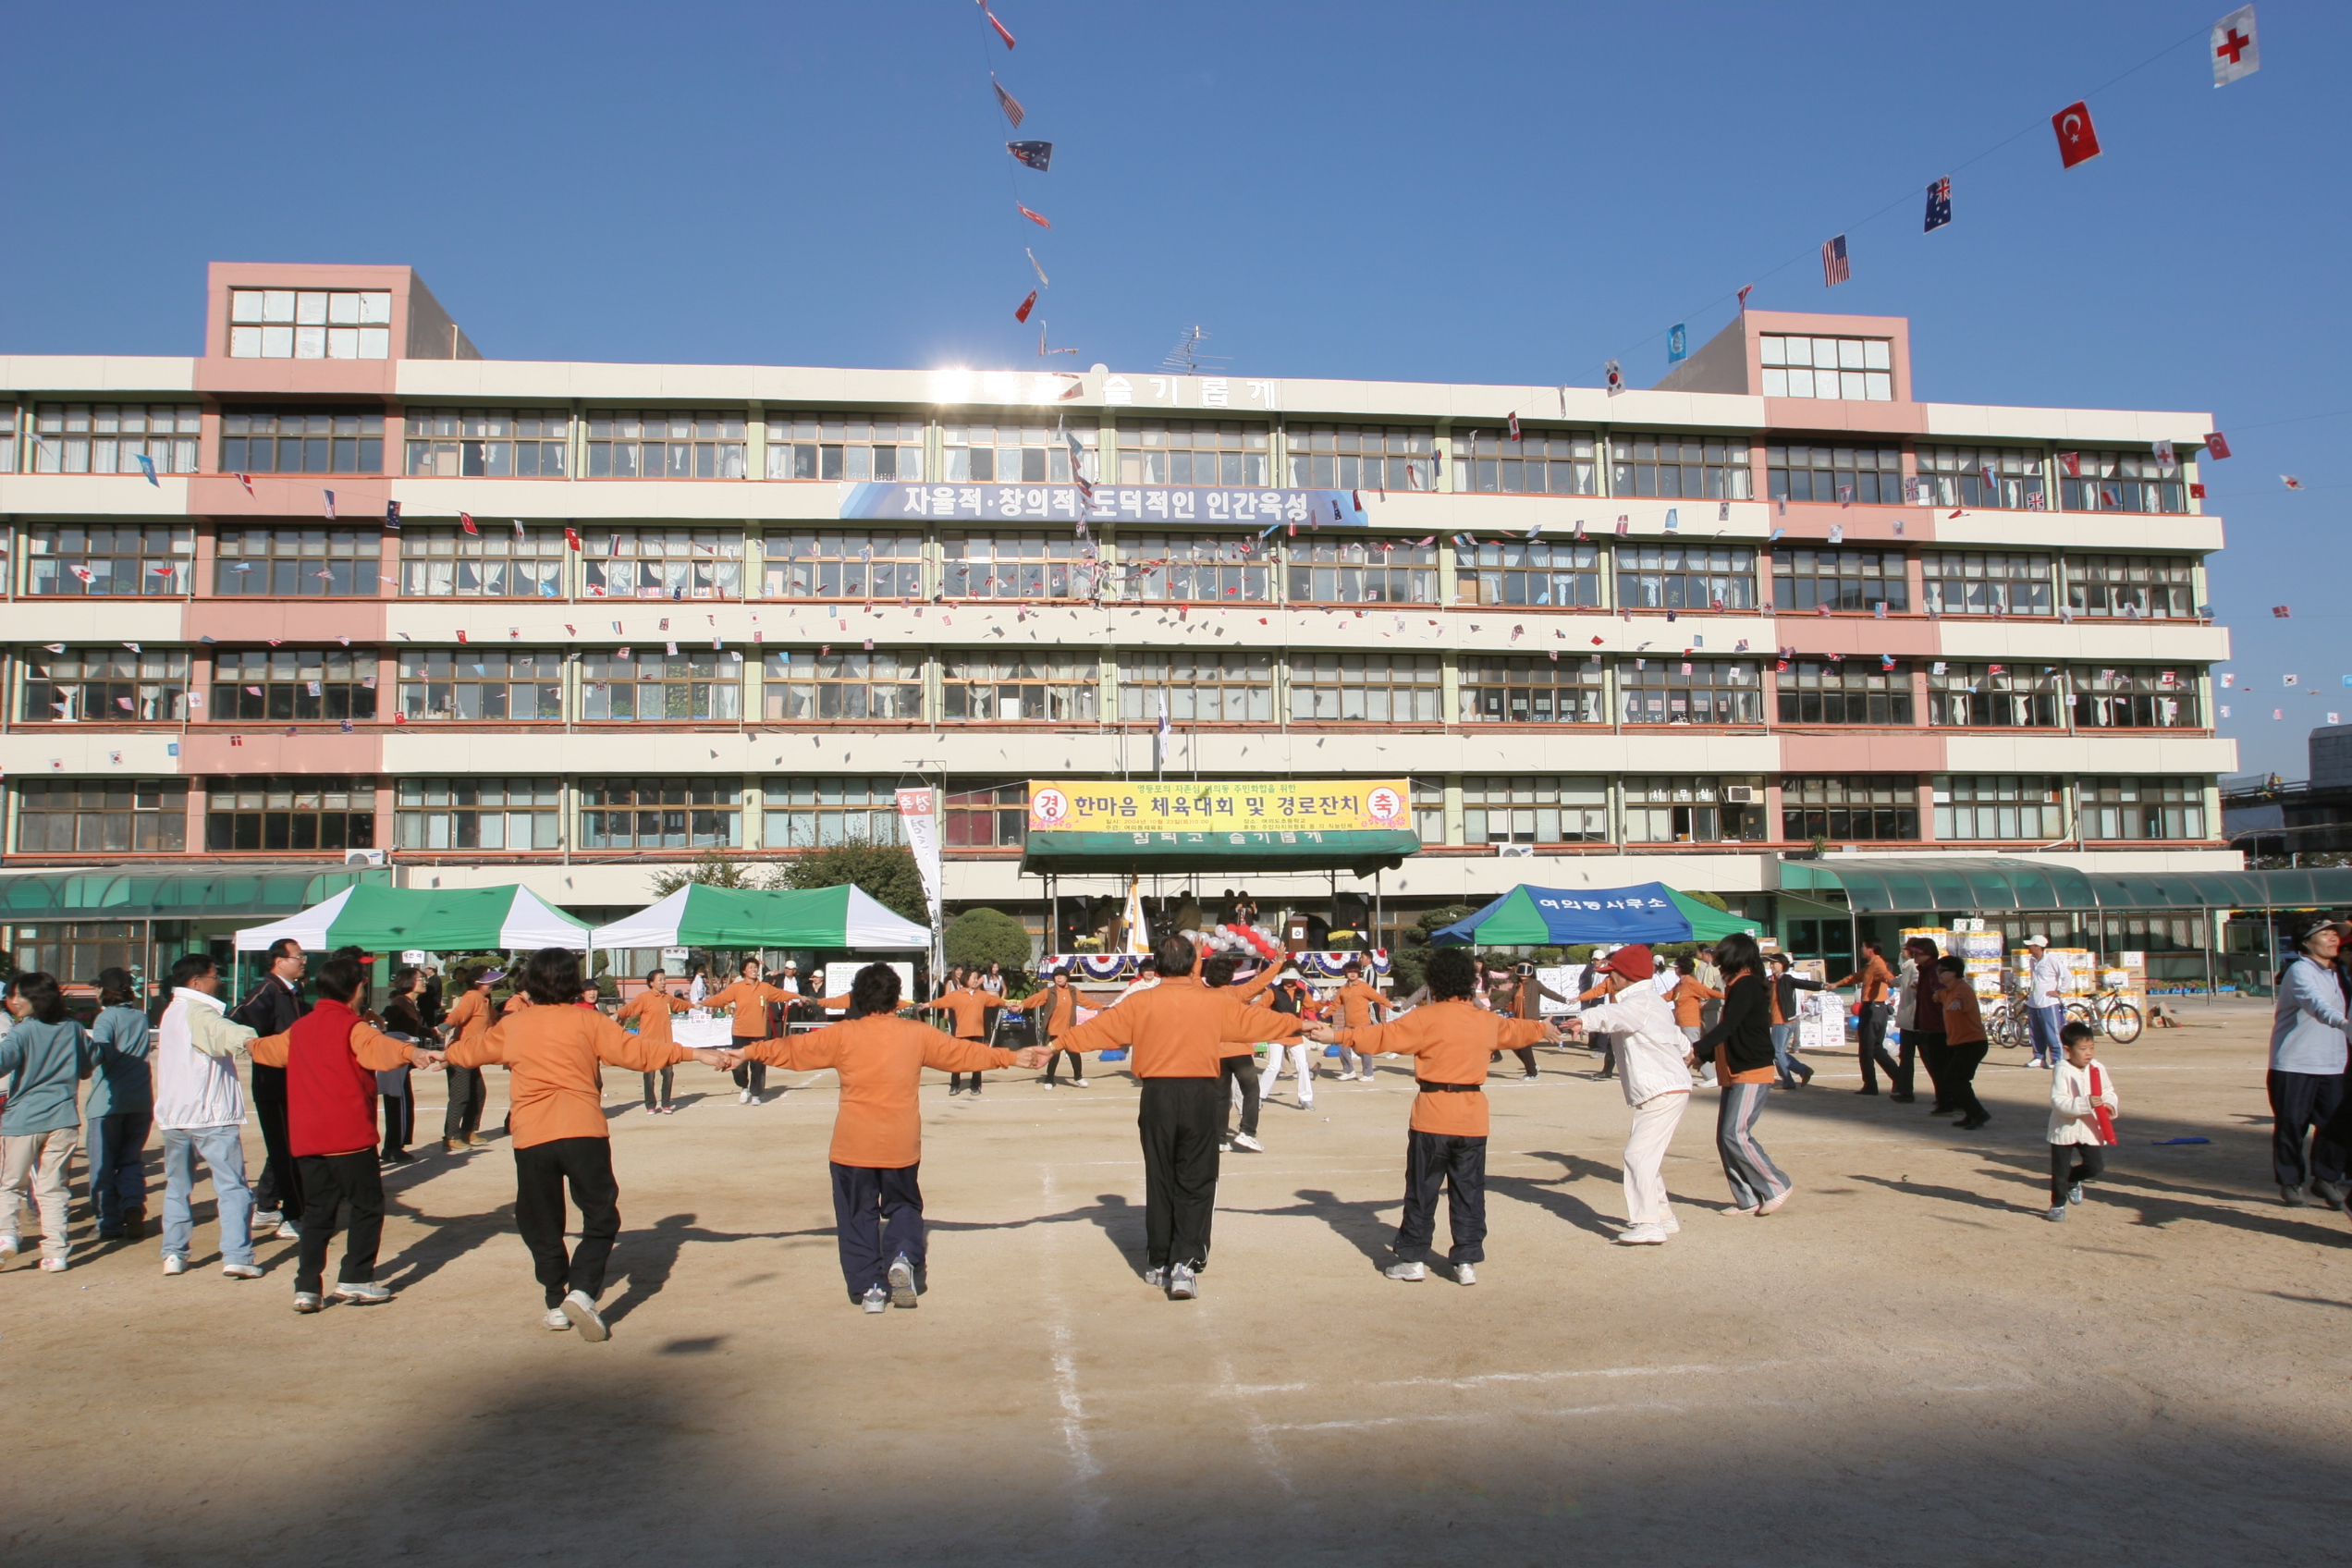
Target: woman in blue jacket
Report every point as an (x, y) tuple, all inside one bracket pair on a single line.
[(122, 1104)]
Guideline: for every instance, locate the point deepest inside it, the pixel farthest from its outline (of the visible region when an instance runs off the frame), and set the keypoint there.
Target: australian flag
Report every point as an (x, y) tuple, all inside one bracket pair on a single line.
[(1037, 154), (1939, 204)]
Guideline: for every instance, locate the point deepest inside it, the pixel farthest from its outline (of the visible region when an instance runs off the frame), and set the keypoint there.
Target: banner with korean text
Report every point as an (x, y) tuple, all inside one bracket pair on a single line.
[(1253, 806), (1112, 502)]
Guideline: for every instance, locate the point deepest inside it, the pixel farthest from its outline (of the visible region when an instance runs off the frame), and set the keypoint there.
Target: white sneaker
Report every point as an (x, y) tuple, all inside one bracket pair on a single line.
[(1046, 1082), (1244, 1140), (1642, 1236), (744, 1097), (53, 1266), (2074, 1194), (1465, 1273), (1156, 1278), (287, 1233), (228, 1270), (307, 1301), (360, 1292), (2056, 1213), (264, 1219), (581, 1307), (1306, 1102), (1347, 1077), (877, 1299), (7, 1250), (901, 1280), (1078, 1084), (556, 1319), (175, 1265), (1182, 1285), (1408, 1272)]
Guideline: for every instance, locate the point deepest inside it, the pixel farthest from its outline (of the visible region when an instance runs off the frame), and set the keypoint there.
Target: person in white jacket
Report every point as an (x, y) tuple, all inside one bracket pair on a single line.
[(1654, 1062), (2079, 1089), (200, 1109)]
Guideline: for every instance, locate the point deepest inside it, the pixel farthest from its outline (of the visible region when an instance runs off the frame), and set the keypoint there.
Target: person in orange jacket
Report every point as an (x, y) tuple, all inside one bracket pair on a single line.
[(1690, 997), (1358, 1004), (969, 1005), (1056, 1009), (1240, 1071), (468, 1019), (651, 1007), (878, 1135), (750, 996)]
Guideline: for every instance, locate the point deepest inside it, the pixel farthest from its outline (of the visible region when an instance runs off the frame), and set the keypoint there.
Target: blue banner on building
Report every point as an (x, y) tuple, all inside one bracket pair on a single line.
[(1112, 502)]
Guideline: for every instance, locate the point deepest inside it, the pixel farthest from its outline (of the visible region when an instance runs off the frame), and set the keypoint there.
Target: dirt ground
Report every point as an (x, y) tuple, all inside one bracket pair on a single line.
[(1906, 1366)]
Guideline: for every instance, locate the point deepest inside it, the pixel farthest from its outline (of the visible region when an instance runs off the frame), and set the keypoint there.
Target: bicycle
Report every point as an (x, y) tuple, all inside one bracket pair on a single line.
[(2109, 1014), (2007, 1024)]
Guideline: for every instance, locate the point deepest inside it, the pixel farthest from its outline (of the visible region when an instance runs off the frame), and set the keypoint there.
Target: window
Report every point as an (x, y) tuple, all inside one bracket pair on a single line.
[(494, 564), (1678, 691), (988, 818), (1016, 566), (309, 323), (57, 816), (79, 949), (1347, 457), (842, 565), (1975, 583), (516, 685), (657, 563), (107, 437), (494, 443), (1365, 688), (288, 563), (1347, 571), (1855, 691), (1005, 454), (1195, 569), (1846, 809), (309, 811), (1871, 475), (1693, 811), (1686, 577), (1855, 581), (301, 441), (1173, 452), (2140, 808), (2119, 482), (105, 685), (2131, 587), (658, 444), (1712, 467), (1993, 696), (2136, 696), (1428, 810), (2027, 809), (807, 686), (652, 686), (7, 438), (1003, 688), (1205, 687), (1516, 572), (1531, 691), (1558, 463), (660, 814), (1996, 478), (1854, 369), (843, 447), (804, 814), (1534, 811), (111, 560), (292, 683), (478, 814)]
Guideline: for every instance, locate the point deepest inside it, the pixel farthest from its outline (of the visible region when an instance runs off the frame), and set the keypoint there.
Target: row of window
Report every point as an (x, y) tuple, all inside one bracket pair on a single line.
[(665, 685), (261, 813)]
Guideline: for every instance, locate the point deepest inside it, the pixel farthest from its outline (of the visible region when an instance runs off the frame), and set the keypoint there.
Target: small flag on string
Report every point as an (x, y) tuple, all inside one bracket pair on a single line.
[(2291, 681), (1673, 519), (1034, 217), (83, 574), (2278, 713), (1513, 419), (571, 537), (2216, 445), (1835, 267), (1837, 533), (1723, 512), (2071, 463), (2290, 481), (2230, 681), (247, 481), (518, 527), (1625, 525), (1886, 661), (392, 516), (147, 467), (1678, 343), (465, 521), (330, 504), (2077, 140), (2236, 54), (1939, 204), (1042, 281), (1007, 102), (1615, 376), (1744, 293), (462, 636), (1022, 314), (2164, 457), (2281, 611), (994, 23), (1039, 155)]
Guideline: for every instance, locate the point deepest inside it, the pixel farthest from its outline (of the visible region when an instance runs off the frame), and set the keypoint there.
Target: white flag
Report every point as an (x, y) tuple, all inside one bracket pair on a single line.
[(2235, 53), (918, 814)]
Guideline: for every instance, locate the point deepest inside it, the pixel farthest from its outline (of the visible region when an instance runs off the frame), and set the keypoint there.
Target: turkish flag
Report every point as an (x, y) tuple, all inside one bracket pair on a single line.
[(2077, 142), (2216, 445)]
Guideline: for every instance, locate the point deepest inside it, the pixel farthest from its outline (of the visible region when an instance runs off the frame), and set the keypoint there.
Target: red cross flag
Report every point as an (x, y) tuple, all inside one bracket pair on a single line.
[(2290, 481), (2235, 53), (2281, 611), (2077, 140)]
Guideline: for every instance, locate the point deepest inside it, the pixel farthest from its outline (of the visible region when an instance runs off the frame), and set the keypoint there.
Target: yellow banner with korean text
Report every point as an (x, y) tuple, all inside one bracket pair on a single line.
[(1252, 805)]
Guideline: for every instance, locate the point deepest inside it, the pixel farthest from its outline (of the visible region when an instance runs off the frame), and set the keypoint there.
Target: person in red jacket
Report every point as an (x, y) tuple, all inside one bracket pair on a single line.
[(331, 1057)]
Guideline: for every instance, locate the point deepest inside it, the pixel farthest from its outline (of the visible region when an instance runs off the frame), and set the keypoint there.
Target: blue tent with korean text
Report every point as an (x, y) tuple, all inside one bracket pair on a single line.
[(1528, 916)]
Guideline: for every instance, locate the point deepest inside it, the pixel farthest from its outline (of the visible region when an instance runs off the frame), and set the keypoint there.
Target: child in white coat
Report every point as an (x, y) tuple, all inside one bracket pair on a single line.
[(2082, 1118)]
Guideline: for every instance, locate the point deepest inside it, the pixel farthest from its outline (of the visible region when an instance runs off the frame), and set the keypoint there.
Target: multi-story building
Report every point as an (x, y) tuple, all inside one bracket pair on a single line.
[(340, 586)]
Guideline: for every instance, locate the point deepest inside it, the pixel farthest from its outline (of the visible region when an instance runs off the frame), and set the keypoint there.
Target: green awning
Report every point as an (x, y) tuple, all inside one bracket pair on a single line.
[(1360, 850), (179, 895), (1709, 924), (1978, 884)]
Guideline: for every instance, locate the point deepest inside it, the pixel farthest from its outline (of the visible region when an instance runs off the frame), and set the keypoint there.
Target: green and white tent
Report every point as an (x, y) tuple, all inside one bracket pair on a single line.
[(436, 919), (737, 918)]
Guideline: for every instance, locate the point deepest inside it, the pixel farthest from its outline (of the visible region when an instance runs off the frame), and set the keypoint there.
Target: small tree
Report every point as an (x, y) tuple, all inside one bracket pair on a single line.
[(983, 936), (712, 868), (1712, 901), (885, 872)]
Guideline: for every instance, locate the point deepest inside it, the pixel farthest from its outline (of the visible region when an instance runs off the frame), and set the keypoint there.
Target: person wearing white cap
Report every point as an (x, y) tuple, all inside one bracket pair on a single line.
[(2044, 1012)]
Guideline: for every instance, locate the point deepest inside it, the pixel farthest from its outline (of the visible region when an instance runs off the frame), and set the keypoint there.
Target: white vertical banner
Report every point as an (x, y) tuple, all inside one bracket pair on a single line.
[(919, 815)]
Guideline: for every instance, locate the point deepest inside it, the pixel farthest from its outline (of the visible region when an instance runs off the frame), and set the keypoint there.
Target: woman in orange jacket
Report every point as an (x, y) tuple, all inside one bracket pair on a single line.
[(1056, 1009), (750, 996)]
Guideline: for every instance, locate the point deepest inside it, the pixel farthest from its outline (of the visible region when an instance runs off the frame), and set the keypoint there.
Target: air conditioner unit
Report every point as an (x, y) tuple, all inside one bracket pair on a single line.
[(1515, 851), (362, 857), (1739, 794)]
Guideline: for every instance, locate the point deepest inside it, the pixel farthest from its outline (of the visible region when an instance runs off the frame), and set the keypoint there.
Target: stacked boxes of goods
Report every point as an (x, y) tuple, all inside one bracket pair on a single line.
[(1980, 951), (2129, 973)]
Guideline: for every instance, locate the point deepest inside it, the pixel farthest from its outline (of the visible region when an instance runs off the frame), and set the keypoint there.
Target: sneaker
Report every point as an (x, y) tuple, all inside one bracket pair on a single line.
[(1078, 1084), (476, 1141), (2329, 1192), (1736, 1213), (1156, 1278), (1244, 1140), (1465, 1273), (228, 1270), (1904, 1099), (1409, 1271), (1970, 1123), (265, 1218), (287, 1233), (1866, 1091), (307, 1301), (902, 1278), (954, 1089), (360, 1292), (1347, 1077), (555, 1321), (175, 1265), (1306, 1102), (1182, 1285), (2056, 1213), (1528, 1077), (2074, 1194), (581, 1307), (1641, 1236), (396, 1156), (1774, 1205), (1045, 1082), (2292, 1196), (53, 1266), (743, 1096), (875, 1300), (448, 1146)]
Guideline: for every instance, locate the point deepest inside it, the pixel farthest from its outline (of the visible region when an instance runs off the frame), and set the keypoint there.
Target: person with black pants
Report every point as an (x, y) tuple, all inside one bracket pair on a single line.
[(403, 1018), (2307, 1069), (1875, 980), (1963, 1042), (271, 1008), (1923, 1013), (1055, 1012), (1241, 1071), (1178, 1030)]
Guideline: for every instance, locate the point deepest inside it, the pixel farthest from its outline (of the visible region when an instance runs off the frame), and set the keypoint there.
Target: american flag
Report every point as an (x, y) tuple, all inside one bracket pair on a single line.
[(1836, 269), (1009, 104)]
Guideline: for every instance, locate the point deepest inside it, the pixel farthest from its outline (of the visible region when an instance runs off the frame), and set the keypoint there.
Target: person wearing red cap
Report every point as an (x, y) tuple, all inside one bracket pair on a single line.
[(1654, 1058)]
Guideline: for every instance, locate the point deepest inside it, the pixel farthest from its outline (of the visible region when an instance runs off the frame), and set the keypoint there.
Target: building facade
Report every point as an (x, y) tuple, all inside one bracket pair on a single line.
[(561, 622)]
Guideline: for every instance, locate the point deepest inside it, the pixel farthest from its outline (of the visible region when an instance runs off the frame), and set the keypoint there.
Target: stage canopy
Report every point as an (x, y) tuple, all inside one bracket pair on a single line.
[(436, 919), (1528, 916), (739, 918), (1985, 884)]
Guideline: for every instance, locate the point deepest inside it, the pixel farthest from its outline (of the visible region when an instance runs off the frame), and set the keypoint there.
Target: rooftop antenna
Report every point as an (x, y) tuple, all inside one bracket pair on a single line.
[(1185, 358)]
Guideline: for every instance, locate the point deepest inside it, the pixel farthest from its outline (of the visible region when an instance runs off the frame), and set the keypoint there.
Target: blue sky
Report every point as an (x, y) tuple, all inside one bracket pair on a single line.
[(1510, 193)]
